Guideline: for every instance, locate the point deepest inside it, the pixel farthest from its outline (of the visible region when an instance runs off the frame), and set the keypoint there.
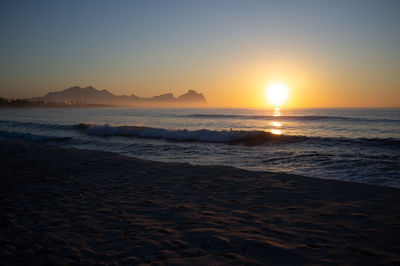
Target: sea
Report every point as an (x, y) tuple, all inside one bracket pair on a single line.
[(359, 145)]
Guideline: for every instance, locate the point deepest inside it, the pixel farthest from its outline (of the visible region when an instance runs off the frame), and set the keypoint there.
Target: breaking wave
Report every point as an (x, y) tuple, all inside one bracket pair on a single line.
[(220, 136)]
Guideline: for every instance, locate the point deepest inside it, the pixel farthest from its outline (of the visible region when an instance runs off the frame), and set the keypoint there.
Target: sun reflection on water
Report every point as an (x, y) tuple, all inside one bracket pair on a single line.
[(277, 112), (276, 124), (276, 131)]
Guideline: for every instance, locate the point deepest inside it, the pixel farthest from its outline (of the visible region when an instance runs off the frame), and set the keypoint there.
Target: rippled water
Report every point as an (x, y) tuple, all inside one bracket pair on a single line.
[(361, 145)]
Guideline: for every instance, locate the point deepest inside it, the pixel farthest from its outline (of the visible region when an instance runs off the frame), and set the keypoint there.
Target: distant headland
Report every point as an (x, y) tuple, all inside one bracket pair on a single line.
[(91, 97)]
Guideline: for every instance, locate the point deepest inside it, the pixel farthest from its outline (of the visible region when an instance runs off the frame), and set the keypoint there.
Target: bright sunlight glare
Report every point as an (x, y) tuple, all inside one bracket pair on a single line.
[(277, 93)]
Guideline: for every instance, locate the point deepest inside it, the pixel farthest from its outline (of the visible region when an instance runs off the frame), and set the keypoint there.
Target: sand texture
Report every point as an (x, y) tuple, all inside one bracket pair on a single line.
[(66, 206)]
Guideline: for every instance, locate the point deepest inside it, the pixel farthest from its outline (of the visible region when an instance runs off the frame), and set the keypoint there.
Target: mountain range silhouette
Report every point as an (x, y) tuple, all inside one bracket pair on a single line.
[(90, 95)]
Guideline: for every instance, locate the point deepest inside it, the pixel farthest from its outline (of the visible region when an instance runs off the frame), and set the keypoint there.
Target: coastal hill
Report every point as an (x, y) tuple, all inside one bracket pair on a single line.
[(90, 95)]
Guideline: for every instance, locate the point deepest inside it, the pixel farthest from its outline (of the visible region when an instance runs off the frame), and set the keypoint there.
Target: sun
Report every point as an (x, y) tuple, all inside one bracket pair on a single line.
[(277, 93)]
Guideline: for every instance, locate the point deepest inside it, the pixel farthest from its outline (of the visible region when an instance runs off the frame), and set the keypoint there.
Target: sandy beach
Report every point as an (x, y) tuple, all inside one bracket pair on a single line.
[(66, 206)]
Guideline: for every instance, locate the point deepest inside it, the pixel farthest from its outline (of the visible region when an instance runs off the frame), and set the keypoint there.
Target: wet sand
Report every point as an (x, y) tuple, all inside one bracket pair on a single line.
[(66, 206)]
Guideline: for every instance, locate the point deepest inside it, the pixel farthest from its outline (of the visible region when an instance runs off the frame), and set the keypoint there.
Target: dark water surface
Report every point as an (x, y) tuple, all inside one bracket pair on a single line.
[(361, 145)]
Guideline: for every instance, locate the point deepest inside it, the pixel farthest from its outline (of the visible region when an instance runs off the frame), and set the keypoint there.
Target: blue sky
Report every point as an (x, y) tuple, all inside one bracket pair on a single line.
[(150, 47)]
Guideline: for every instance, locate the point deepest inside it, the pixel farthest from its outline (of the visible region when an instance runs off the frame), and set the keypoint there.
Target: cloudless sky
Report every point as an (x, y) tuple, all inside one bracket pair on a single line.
[(330, 53)]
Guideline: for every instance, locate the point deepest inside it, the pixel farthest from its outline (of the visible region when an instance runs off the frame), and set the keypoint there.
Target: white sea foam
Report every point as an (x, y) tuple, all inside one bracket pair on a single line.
[(202, 135), (224, 136)]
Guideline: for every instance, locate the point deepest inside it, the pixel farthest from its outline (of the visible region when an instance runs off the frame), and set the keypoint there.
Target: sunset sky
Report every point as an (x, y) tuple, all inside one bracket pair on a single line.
[(329, 53)]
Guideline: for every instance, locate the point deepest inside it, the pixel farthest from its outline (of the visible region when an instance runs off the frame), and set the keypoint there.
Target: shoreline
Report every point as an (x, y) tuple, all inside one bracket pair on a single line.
[(63, 205)]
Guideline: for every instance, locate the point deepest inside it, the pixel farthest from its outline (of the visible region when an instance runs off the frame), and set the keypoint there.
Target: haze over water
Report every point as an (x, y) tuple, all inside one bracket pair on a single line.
[(361, 145)]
